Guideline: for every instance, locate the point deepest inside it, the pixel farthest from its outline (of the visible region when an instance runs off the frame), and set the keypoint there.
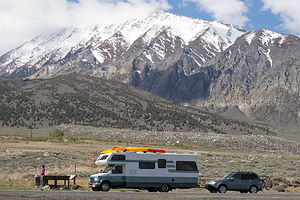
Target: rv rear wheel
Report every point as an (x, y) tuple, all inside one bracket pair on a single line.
[(164, 188), (105, 186), (152, 189)]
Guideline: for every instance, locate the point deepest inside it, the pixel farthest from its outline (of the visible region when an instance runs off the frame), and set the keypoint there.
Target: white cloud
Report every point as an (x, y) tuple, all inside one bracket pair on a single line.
[(289, 11), (226, 11), (21, 20)]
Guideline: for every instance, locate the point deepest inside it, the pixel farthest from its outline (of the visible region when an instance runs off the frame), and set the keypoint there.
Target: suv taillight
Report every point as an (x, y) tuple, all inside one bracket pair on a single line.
[(261, 180)]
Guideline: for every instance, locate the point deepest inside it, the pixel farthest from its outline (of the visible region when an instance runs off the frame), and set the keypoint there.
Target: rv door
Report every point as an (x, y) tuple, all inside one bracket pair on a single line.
[(118, 176)]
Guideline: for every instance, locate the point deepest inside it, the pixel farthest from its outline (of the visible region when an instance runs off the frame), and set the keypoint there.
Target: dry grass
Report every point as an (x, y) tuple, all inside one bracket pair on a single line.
[(20, 157)]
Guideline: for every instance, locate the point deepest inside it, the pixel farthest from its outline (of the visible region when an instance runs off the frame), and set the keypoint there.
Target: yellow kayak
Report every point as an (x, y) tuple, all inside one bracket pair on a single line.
[(132, 149)]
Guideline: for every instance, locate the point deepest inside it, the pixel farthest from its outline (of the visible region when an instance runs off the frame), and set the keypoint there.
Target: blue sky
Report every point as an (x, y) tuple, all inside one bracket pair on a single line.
[(22, 20), (259, 14), (265, 14), (258, 18)]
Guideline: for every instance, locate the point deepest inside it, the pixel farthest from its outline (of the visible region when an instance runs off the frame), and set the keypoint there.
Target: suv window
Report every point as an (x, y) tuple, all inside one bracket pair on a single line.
[(236, 176), (249, 176), (246, 176), (253, 176)]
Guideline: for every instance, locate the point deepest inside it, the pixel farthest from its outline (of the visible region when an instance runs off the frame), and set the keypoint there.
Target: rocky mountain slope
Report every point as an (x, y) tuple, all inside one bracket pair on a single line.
[(90, 101), (185, 60), (258, 75)]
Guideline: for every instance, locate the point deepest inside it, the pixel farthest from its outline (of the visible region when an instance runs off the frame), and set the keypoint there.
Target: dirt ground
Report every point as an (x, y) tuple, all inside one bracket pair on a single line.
[(21, 158)]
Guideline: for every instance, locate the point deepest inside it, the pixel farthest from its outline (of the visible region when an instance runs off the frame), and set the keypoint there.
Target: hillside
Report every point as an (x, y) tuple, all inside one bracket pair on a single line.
[(185, 60), (89, 101)]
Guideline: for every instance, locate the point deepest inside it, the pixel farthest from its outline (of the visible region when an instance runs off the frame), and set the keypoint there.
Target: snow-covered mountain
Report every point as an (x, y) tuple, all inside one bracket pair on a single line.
[(156, 40), (184, 60)]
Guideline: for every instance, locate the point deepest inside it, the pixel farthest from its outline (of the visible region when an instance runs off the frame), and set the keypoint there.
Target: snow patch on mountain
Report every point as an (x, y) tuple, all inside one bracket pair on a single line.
[(250, 37), (268, 37), (221, 36), (148, 56), (281, 41)]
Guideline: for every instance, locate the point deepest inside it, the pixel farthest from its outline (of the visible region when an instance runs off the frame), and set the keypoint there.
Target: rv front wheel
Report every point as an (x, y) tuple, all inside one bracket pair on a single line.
[(164, 188), (96, 189), (105, 187)]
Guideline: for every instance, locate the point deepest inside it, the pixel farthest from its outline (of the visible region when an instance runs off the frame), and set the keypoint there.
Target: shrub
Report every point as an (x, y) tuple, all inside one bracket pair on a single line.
[(280, 188), (74, 187), (73, 139), (57, 134)]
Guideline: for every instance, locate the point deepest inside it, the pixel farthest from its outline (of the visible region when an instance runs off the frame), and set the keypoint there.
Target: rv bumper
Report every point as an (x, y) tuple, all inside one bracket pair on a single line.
[(94, 183)]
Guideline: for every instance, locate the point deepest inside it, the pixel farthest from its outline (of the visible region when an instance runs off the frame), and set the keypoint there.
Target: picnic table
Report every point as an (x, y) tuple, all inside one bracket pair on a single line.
[(55, 178)]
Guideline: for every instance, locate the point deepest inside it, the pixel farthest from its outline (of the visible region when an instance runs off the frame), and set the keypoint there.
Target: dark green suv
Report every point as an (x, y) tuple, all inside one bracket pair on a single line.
[(238, 181)]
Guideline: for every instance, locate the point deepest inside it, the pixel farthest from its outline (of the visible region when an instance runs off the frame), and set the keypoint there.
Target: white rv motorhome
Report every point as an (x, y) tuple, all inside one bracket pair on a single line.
[(140, 170)]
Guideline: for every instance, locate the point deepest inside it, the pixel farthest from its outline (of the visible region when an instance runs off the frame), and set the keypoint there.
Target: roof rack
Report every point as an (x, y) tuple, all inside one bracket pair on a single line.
[(133, 149)]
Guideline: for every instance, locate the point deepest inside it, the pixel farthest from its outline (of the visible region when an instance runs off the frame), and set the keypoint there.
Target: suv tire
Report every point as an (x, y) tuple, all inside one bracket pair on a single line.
[(222, 189), (253, 189)]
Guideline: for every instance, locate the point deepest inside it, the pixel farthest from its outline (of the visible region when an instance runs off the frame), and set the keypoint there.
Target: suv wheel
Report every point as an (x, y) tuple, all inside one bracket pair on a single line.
[(222, 189), (253, 189)]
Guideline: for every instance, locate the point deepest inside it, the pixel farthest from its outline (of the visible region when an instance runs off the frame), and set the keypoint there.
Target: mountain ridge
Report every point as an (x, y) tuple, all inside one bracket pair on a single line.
[(160, 33), (185, 60), (90, 101)]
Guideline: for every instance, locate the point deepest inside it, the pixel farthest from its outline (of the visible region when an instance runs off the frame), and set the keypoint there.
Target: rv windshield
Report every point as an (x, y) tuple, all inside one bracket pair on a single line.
[(108, 168)]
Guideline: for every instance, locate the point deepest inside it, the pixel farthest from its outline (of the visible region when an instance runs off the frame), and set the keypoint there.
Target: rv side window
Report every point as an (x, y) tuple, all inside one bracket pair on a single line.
[(117, 170), (103, 157), (146, 165), (118, 157), (186, 165), (162, 163)]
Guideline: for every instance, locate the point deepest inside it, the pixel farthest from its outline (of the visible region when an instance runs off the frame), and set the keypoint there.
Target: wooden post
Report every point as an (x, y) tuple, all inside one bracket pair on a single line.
[(40, 165), (91, 161), (75, 176)]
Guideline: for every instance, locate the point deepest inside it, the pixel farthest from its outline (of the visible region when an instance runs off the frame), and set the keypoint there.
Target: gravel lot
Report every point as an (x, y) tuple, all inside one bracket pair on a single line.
[(55, 195)]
